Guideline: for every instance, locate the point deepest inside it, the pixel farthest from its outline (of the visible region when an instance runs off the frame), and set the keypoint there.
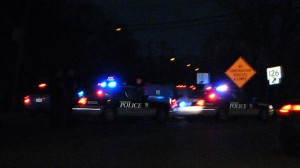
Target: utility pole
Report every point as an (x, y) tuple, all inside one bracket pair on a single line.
[(19, 36)]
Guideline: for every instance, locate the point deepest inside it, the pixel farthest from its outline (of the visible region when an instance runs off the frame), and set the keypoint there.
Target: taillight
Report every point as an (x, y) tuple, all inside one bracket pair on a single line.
[(193, 87), (82, 101), (27, 100), (42, 85), (200, 102), (208, 88), (286, 109), (173, 103)]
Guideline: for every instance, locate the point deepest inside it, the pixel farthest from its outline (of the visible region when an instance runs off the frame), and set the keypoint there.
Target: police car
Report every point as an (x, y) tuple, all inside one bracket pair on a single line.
[(289, 120), (109, 101), (221, 102), (38, 99), (189, 102)]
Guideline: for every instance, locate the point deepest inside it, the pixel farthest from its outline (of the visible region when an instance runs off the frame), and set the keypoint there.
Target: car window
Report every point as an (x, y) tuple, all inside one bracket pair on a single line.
[(133, 94), (198, 94), (121, 94), (238, 96)]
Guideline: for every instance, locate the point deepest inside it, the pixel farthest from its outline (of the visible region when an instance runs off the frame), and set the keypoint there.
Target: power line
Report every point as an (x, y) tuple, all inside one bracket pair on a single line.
[(154, 4), (192, 21)]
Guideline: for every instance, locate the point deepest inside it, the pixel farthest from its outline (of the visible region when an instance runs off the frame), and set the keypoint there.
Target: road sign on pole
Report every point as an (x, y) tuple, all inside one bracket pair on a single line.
[(240, 72), (274, 75), (203, 78)]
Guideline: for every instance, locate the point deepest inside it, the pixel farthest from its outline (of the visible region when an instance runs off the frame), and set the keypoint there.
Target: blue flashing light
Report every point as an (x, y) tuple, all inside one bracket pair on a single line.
[(80, 93), (222, 88), (156, 97), (103, 84), (112, 84), (160, 97), (182, 104)]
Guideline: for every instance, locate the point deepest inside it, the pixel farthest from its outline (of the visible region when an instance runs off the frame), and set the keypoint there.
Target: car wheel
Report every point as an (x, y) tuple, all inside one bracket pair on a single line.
[(222, 114), (109, 115), (161, 116), (33, 114), (263, 115)]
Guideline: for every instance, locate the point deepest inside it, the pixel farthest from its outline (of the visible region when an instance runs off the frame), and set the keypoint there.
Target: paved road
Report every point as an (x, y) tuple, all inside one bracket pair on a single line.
[(203, 143)]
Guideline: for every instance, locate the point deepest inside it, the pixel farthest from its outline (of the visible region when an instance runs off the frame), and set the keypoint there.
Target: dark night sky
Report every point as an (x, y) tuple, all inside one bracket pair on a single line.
[(209, 33), (181, 25)]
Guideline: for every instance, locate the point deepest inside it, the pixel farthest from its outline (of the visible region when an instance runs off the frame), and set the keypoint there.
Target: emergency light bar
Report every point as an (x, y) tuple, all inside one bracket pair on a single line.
[(109, 82), (222, 88)]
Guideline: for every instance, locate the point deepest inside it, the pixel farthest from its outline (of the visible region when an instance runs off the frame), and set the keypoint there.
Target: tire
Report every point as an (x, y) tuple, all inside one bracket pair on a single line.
[(222, 115), (109, 115), (33, 114), (161, 116), (263, 115)]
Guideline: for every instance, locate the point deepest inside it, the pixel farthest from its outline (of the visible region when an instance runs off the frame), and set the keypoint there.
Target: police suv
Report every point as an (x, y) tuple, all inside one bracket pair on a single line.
[(223, 103), (110, 101)]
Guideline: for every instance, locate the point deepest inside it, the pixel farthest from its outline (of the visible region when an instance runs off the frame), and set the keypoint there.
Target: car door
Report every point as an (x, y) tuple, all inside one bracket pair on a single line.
[(237, 104), (240, 105), (133, 103)]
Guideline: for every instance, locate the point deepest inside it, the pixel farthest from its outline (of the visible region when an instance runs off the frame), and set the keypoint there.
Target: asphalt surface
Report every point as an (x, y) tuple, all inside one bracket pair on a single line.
[(32, 142)]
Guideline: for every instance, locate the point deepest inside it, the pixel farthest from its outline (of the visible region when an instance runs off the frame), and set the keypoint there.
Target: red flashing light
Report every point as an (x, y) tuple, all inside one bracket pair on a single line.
[(286, 109), (212, 96), (42, 85), (173, 103), (82, 101), (27, 100), (99, 93)]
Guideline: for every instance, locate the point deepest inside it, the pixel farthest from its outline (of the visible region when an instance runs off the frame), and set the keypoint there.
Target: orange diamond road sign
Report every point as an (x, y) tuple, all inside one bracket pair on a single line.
[(240, 72)]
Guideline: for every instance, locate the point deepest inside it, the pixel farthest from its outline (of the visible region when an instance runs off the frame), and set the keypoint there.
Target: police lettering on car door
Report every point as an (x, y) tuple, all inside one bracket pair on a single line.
[(237, 105), (129, 104)]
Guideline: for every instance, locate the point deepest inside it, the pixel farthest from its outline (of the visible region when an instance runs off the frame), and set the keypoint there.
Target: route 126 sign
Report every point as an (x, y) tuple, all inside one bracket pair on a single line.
[(274, 75)]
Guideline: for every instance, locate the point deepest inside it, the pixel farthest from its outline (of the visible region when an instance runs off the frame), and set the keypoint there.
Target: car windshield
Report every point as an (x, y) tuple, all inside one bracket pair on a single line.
[(198, 94)]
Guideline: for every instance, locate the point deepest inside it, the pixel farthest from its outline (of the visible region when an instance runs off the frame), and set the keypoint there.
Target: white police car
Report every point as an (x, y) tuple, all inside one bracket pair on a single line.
[(110, 101)]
